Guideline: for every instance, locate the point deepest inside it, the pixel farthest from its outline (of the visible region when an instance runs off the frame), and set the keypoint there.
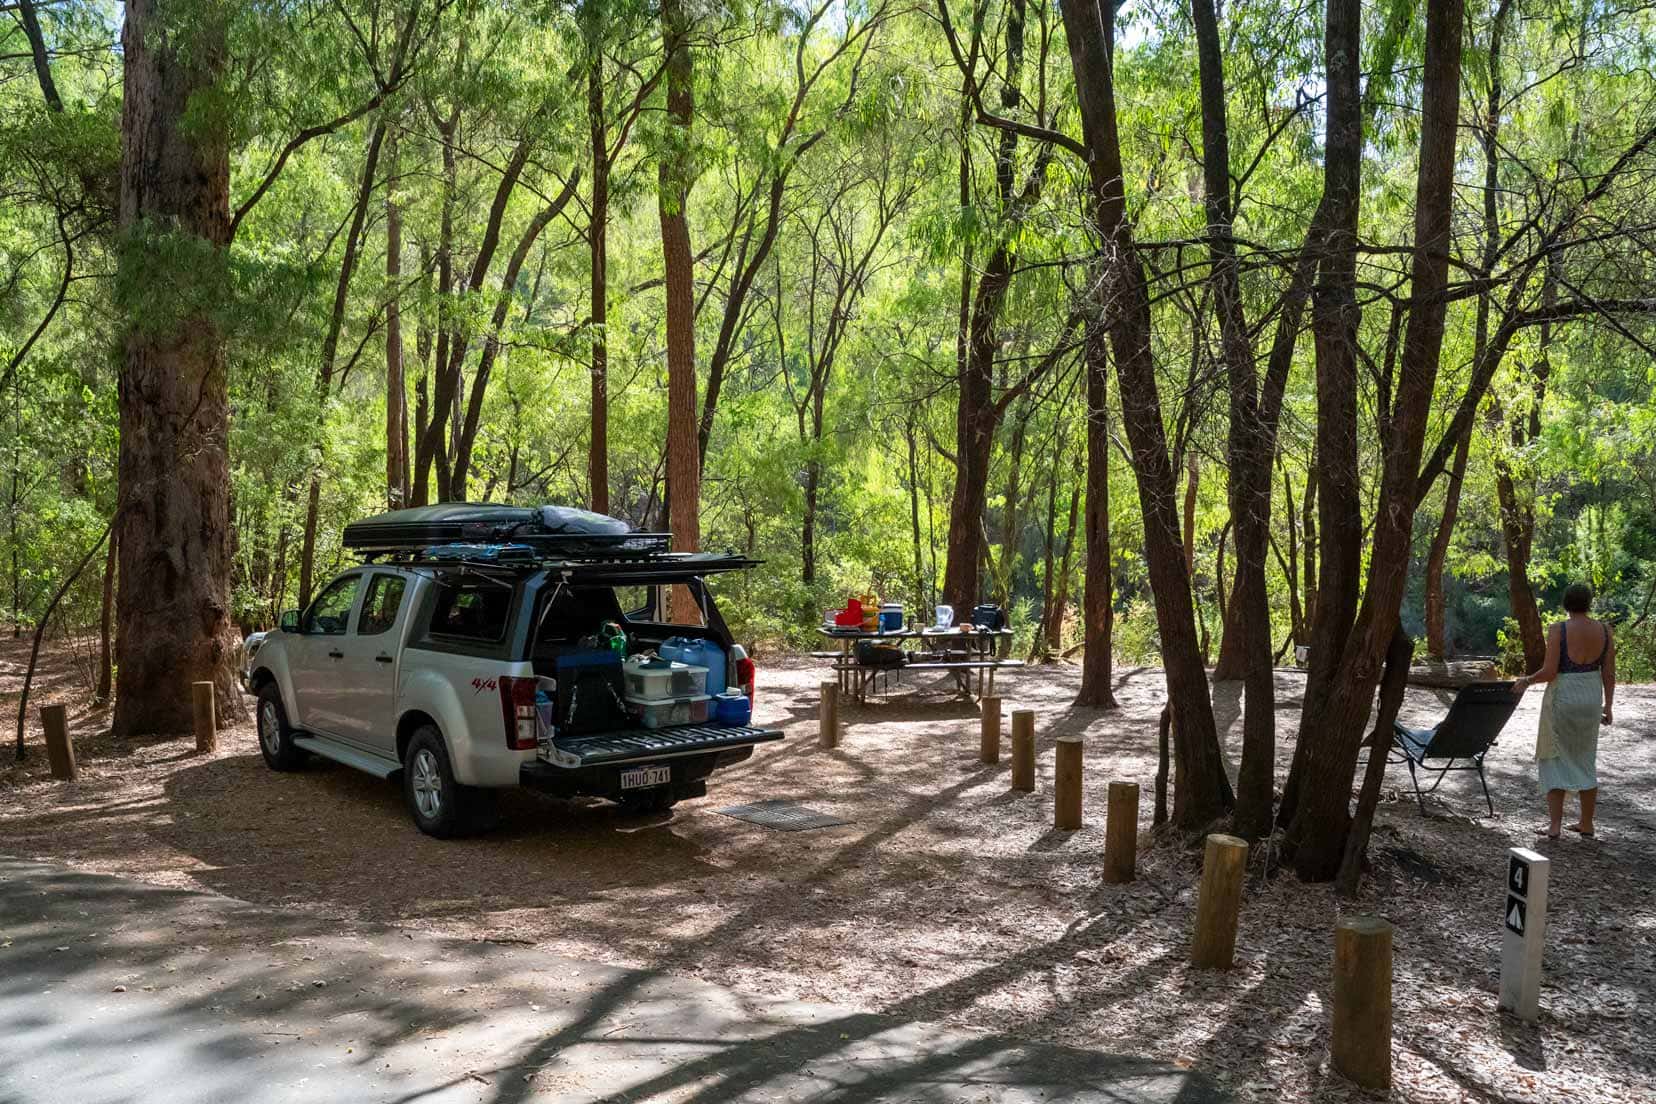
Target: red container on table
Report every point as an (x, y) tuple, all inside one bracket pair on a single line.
[(851, 616)]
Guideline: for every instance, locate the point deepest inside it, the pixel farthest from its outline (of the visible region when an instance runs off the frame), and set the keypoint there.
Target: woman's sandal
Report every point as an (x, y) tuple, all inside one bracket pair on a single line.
[(1576, 828), (1545, 831)]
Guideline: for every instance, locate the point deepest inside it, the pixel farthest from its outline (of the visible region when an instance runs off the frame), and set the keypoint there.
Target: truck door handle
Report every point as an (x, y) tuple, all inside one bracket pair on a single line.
[(384, 659), (336, 654)]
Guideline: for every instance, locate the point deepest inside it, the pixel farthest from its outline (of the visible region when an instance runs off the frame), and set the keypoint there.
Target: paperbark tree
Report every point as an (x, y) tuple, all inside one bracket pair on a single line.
[(174, 514)]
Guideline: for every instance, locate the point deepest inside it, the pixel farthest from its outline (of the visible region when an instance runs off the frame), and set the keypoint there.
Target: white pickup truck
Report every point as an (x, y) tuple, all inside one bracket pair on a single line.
[(431, 663)]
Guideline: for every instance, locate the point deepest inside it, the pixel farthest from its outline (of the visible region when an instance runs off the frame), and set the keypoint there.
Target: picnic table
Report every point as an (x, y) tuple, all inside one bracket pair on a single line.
[(968, 657)]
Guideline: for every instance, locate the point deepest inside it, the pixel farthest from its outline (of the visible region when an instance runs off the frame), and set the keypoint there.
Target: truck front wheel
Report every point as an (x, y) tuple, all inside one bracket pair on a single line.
[(440, 806), (275, 734)]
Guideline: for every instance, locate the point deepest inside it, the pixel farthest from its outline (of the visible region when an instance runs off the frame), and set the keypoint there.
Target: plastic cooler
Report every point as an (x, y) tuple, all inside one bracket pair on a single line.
[(681, 711), (649, 679)]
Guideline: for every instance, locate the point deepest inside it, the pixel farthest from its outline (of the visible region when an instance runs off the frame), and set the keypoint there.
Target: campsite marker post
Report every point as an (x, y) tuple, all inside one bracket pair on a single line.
[(1524, 927), (989, 735), (828, 722)]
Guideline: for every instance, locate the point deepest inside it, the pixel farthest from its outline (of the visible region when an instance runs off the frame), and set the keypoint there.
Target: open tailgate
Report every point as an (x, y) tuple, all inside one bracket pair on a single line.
[(625, 745)]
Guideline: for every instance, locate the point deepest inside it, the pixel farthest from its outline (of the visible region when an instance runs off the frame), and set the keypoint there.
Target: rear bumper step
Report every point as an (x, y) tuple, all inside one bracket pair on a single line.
[(692, 752), (639, 744)]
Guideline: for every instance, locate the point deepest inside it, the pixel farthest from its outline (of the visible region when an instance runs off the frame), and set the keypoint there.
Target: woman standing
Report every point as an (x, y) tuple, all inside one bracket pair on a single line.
[(1580, 673)]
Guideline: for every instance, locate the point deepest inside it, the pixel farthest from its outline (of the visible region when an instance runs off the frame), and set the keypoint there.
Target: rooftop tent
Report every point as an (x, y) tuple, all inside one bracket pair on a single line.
[(545, 529)]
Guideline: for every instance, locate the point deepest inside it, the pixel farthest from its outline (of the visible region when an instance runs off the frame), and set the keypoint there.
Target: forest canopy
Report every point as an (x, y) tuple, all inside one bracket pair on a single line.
[(1187, 332)]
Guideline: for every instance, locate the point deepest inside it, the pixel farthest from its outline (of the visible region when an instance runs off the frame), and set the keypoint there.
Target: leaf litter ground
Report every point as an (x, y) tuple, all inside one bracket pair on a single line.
[(949, 898)]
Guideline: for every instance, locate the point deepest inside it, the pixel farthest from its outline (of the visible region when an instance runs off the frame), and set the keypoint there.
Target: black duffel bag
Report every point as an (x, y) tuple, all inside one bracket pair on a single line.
[(989, 616), (870, 654)]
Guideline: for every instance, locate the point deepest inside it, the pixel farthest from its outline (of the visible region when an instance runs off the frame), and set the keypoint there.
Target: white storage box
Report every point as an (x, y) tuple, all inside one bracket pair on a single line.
[(681, 711), (654, 680)]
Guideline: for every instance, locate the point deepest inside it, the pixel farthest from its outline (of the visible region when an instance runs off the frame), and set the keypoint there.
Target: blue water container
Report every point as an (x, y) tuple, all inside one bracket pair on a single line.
[(732, 709), (698, 653), (891, 617)]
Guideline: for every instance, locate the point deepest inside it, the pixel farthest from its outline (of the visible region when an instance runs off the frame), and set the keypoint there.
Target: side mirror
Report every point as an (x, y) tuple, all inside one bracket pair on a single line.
[(290, 621)]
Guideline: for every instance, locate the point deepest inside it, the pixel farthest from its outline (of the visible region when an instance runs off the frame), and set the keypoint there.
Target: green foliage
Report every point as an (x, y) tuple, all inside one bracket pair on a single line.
[(877, 165)]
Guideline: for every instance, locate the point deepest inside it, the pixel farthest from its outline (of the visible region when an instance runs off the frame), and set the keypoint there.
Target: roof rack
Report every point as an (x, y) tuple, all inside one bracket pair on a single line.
[(484, 533)]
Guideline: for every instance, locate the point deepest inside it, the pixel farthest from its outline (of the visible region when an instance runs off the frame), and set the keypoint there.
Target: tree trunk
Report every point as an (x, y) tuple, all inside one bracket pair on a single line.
[(674, 175), (396, 397), (1437, 643), (106, 661), (1437, 633), (330, 351), (1250, 445), (466, 438), (976, 418), (1340, 701), (1518, 533), (174, 528), (1335, 315), (598, 243), (1042, 647), (920, 595), (1201, 791), (1392, 686), (1098, 600)]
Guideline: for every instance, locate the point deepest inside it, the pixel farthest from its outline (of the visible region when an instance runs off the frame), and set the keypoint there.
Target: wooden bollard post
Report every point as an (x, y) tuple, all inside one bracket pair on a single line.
[(1361, 1045), (1213, 946), (1066, 784), (206, 724), (1121, 832), (828, 724), (60, 753), (1023, 750), (989, 739)]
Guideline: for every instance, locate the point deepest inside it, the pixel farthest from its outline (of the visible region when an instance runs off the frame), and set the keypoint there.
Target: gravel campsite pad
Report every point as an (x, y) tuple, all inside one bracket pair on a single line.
[(948, 897)]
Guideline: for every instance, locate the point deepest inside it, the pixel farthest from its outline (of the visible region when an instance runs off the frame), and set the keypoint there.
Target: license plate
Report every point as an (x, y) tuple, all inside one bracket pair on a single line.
[(638, 778)]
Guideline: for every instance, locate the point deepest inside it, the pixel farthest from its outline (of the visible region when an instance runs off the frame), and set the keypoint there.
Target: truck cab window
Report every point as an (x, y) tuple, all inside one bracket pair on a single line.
[(473, 610), (332, 609), (380, 606)]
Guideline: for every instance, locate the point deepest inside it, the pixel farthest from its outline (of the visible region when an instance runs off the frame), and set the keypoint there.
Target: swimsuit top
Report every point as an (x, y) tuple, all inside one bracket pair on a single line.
[(1568, 666)]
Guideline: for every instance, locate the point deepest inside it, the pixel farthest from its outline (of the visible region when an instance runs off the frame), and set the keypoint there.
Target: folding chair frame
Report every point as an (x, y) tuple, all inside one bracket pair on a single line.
[(1401, 753)]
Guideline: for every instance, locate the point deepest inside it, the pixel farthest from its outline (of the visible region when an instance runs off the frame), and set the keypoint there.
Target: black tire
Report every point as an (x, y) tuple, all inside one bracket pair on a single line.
[(440, 806), (275, 734), (648, 803)]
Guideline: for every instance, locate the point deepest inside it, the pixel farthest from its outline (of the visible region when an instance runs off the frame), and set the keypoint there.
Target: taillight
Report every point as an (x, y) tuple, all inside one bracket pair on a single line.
[(517, 709), (746, 675)]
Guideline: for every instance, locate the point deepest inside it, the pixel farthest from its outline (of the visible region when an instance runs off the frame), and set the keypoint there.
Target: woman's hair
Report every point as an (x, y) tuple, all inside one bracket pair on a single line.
[(1578, 598)]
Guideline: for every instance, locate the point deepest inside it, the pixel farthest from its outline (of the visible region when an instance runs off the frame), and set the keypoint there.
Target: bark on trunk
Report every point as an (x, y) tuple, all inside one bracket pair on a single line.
[(1392, 685), (976, 419), (1060, 600), (598, 244), (1201, 791), (174, 527), (1340, 702), (683, 463), (466, 438), (1437, 631), (1097, 659), (330, 351), (1250, 445), (106, 660), (396, 396)]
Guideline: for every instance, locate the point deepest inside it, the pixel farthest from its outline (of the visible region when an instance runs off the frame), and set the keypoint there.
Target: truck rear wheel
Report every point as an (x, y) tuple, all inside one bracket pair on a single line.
[(440, 806), (275, 734)]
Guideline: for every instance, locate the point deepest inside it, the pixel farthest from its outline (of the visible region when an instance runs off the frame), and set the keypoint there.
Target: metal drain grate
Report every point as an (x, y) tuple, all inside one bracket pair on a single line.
[(784, 816)]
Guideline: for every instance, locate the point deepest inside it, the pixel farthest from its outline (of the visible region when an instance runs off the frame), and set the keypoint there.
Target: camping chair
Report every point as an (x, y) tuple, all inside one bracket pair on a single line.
[(1460, 740)]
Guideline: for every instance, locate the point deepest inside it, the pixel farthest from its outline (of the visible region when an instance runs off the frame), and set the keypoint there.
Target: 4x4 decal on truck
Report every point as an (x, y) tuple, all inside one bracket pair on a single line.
[(481, 684)]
